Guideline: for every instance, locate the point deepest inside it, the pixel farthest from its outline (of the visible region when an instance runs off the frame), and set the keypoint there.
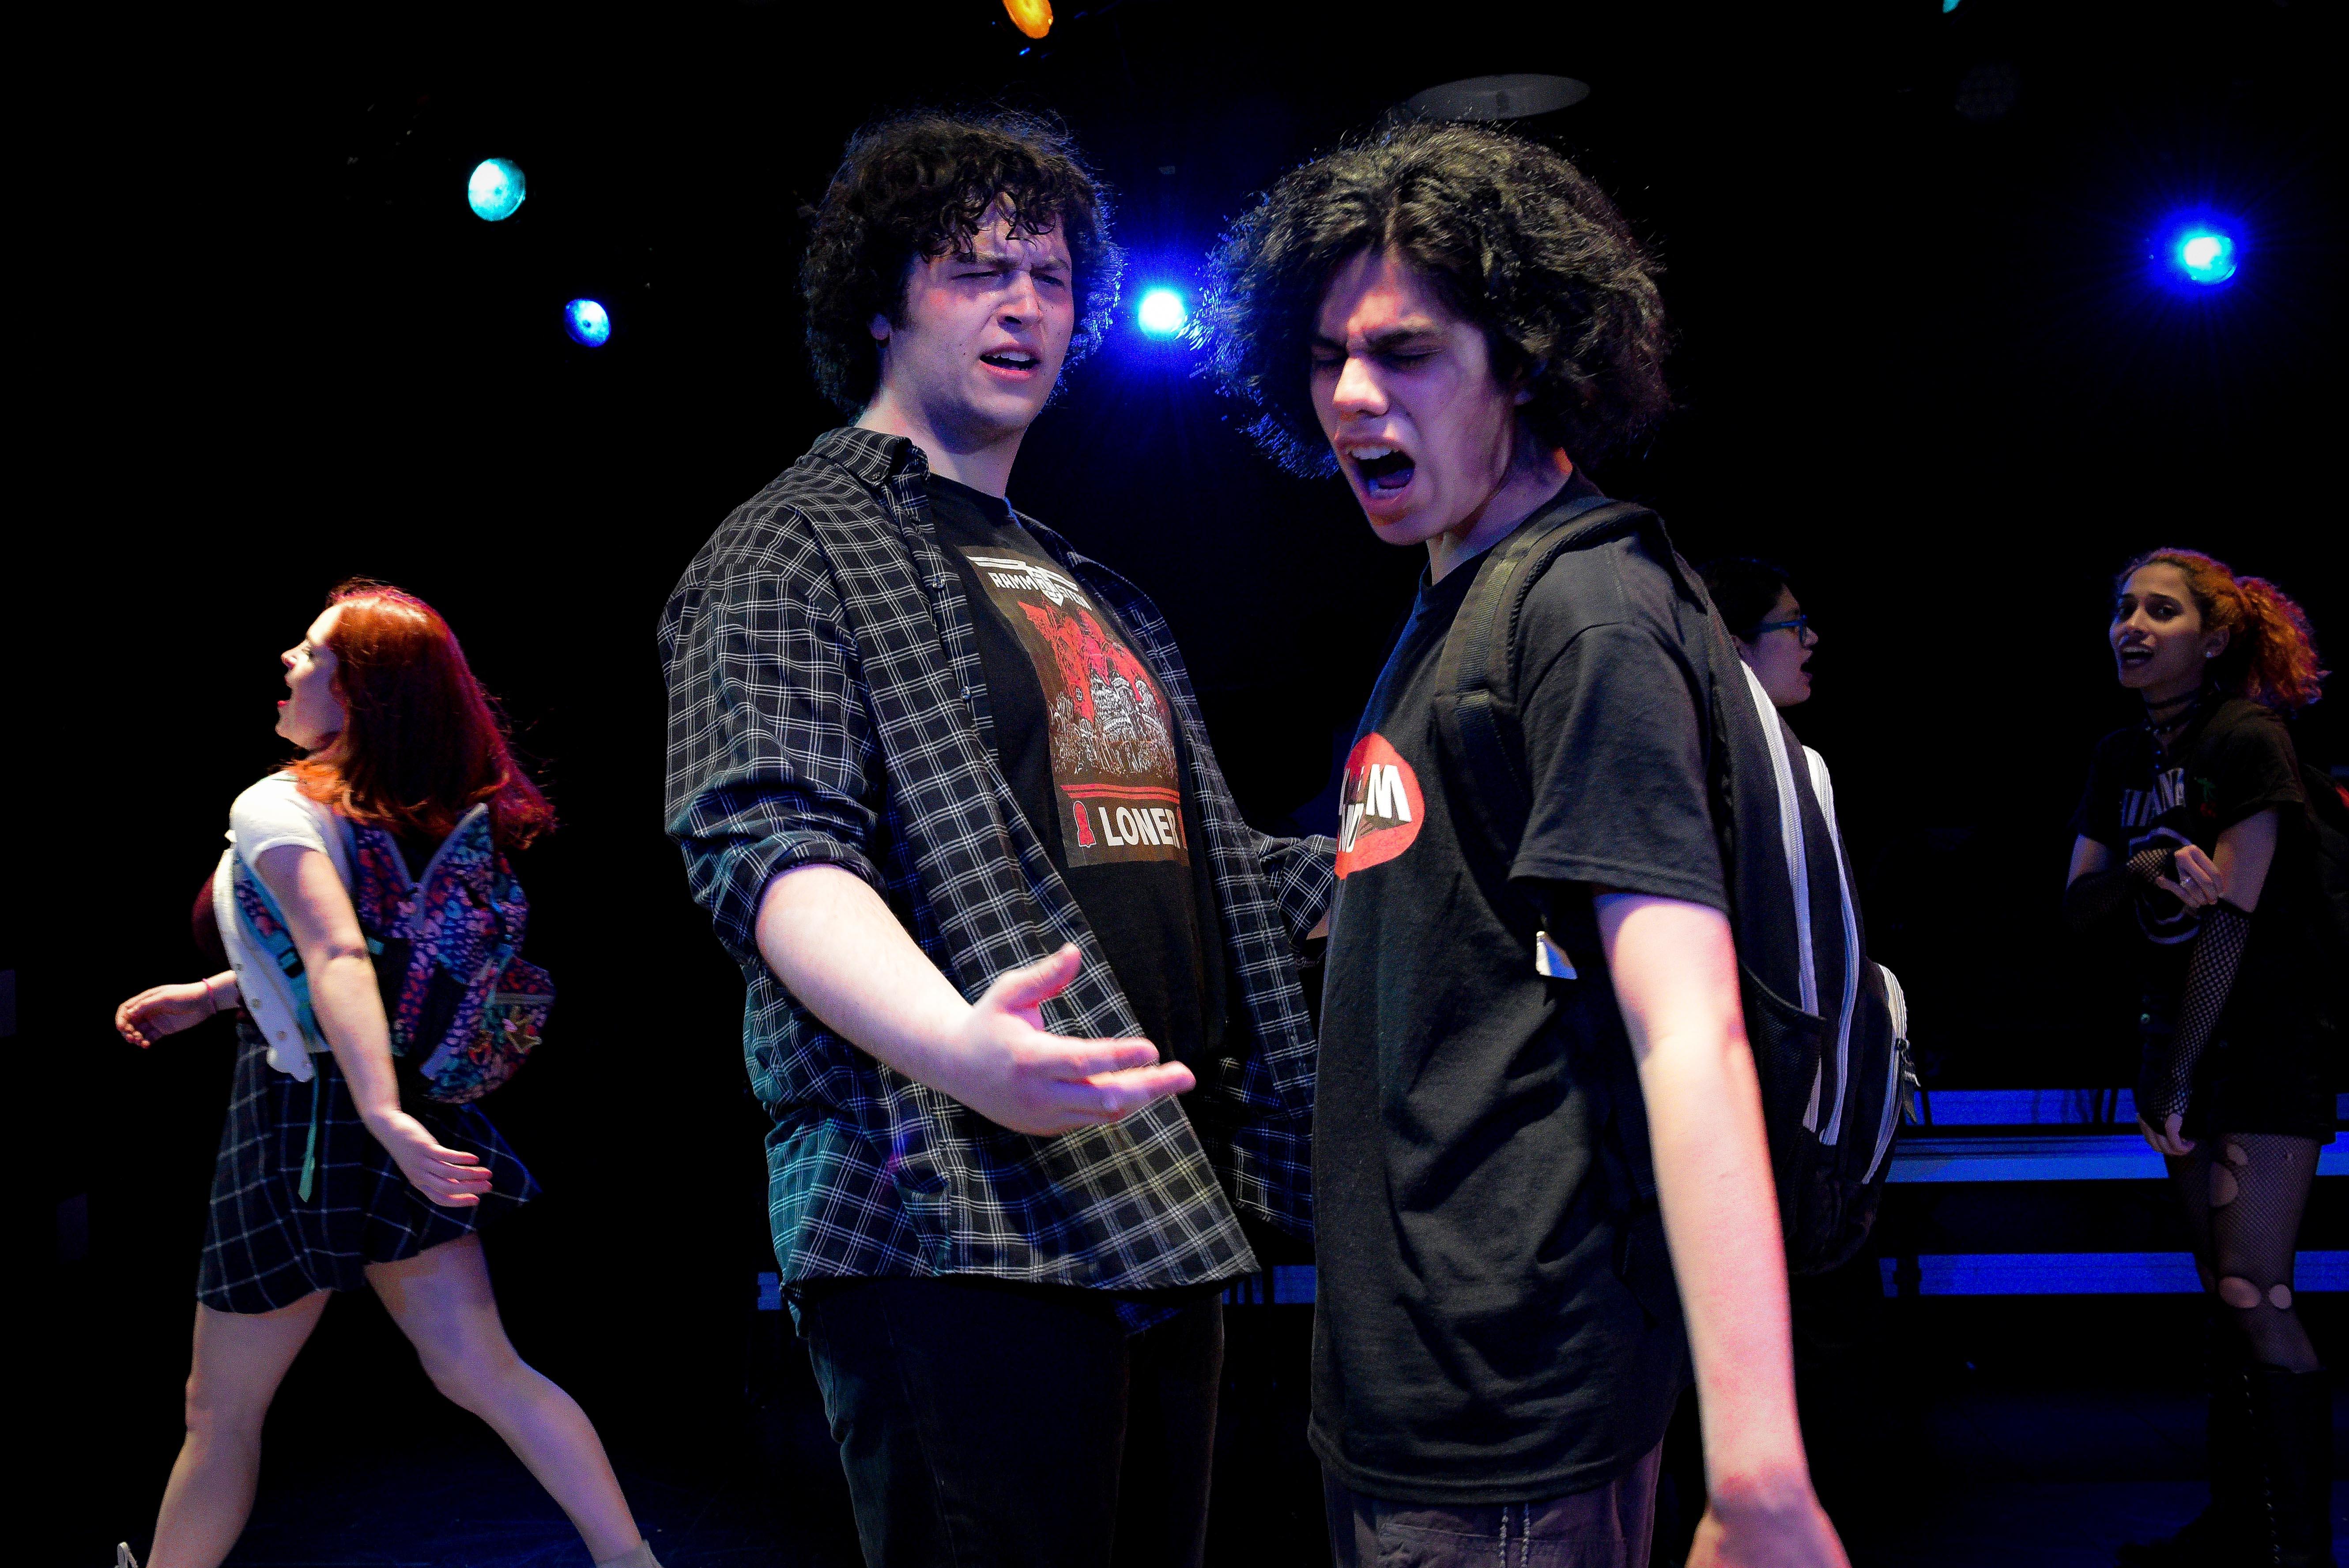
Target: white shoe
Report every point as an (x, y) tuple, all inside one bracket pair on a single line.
[(122, 1558)]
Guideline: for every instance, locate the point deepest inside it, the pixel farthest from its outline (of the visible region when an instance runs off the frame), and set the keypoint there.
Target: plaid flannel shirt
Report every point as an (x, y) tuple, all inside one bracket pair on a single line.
[(825, 704)]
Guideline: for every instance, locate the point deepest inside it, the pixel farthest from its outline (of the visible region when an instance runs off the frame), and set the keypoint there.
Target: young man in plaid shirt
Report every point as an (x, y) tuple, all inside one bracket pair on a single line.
[(1023, 993)]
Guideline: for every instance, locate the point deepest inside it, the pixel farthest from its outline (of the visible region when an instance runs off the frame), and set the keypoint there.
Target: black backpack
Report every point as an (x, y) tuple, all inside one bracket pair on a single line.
[(1832, 1088), (2328, 817)]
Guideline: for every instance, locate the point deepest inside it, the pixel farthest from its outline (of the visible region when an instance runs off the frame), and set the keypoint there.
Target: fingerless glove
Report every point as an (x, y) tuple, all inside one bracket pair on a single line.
[(2093, 898)]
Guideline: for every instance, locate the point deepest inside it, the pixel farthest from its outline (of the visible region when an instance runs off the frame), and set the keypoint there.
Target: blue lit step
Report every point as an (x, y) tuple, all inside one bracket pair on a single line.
[(2049, 1157), (1948, 1274), (2087, 1274), (2037, 1107)]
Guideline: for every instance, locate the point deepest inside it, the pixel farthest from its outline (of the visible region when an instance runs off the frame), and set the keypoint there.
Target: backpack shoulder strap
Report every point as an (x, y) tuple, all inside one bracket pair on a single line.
[(1747, 751), (1476, 671), (1476, 712), (476, 831)]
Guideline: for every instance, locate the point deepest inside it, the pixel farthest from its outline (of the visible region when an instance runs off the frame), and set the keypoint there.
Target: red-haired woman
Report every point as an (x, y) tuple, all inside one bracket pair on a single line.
[(327, 1180), (2196, 824)]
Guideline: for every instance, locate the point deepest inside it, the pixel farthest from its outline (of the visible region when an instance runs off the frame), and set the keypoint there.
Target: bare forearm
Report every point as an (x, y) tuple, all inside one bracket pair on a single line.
[(832, 941), (1721, 1221), (837, 947), (349, 1011), (1674, 967), (2246, 851)]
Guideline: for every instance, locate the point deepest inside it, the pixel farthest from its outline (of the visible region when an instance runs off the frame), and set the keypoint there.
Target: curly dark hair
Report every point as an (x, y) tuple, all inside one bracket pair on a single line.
[(1513, 237), (921, 185)]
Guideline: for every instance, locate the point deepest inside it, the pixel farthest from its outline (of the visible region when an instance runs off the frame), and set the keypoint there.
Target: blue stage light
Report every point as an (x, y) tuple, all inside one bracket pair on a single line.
[(2205, 254), (1162, 312), (495, 188), (587, 321)]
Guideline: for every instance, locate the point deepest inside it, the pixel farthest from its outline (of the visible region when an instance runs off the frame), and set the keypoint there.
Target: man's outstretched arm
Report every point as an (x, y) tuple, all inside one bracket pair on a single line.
[(835, 947), (1675, 971)]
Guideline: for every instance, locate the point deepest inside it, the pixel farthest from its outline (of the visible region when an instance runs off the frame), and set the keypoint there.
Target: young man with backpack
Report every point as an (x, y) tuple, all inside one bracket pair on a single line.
[(942, 784), (1538, 1111)]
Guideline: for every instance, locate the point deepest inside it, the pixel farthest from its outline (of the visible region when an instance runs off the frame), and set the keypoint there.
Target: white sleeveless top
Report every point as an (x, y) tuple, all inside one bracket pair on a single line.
[(271, 812)]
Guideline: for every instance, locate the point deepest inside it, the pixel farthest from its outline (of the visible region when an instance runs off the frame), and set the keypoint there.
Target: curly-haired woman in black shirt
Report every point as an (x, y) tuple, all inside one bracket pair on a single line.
[(2195, 828)]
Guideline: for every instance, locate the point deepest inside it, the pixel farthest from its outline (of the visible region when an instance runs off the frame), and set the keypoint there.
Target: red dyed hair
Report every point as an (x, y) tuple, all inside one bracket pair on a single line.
[(2271, 654), (422, 742)]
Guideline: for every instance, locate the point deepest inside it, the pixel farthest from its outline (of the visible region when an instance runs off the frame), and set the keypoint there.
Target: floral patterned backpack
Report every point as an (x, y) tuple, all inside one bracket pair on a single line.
[(457, 996)]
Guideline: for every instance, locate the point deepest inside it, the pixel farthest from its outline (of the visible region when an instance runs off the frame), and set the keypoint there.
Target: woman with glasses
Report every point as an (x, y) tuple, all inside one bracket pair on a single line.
[(1836, 1317), (1773, 633)]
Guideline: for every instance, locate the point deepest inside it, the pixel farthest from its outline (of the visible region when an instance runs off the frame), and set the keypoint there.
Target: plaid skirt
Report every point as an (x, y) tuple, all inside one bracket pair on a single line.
[(267, 1246)]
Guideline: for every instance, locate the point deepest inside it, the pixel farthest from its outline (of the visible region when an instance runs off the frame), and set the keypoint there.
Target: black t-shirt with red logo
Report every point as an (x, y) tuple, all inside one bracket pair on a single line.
[(1097, 760), (1496, 1316)]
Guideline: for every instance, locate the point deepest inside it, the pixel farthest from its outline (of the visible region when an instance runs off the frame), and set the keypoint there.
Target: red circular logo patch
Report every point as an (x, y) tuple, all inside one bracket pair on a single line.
[(1379, 807)]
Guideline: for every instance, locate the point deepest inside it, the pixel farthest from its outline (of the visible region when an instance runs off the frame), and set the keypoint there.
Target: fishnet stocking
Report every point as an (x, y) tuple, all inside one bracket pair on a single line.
[(2244, 1194)]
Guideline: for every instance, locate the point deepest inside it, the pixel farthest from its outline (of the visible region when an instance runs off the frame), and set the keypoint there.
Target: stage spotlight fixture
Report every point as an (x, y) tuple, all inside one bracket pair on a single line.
[(1162, 312), (587, 321), (1033, 18), (495, 188), (1516, 96), (2204, 254)]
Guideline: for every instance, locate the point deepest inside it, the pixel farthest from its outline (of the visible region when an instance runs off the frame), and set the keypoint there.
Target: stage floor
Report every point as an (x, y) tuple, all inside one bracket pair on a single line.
[(2052, 1472)]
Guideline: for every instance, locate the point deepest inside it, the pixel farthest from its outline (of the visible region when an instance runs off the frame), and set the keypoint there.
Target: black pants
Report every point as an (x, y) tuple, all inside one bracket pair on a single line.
[(984, 1423)]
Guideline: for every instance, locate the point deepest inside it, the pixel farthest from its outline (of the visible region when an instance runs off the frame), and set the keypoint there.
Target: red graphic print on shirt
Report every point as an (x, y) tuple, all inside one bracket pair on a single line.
[(1112, 740), (1379, 807)]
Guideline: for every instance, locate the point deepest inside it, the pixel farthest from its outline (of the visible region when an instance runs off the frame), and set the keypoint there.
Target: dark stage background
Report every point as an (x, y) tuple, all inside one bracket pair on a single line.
[(1921, 360)]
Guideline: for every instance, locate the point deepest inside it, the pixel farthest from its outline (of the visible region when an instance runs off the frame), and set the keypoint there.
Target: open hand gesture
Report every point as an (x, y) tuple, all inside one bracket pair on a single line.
[(1010, 1071)]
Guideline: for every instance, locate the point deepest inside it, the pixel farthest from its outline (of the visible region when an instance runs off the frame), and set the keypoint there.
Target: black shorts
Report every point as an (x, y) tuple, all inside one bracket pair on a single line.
[(267, 1246), (2279, 1083)]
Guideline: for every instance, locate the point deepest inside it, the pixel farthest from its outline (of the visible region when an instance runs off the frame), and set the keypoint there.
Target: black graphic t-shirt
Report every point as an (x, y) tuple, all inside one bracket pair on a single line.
[(1495, 1318), (1097, 761), (2232, 764)]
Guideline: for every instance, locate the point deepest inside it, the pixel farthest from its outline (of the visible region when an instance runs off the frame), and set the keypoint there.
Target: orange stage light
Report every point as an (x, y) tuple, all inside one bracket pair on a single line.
[(1033, 18)]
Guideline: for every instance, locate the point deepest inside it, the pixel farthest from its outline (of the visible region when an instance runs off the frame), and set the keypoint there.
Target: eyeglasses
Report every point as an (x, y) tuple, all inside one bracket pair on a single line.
[(1798, 626)]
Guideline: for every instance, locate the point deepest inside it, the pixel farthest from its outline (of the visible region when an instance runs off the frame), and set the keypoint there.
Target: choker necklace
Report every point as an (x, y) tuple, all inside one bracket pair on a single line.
[(2170, 716)]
